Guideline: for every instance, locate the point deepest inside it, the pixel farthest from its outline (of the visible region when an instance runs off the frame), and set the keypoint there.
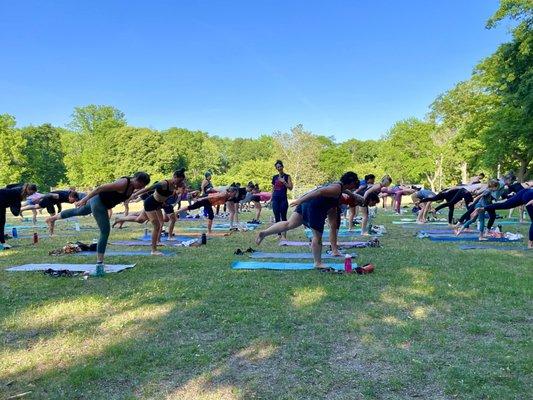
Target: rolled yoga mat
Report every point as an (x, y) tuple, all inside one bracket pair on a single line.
[(294, 256), (91, 268), (282, 266)]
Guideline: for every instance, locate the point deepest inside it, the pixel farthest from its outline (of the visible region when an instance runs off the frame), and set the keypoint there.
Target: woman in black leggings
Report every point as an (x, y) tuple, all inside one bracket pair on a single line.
[(452, 197), (280, 183), (12, 198)]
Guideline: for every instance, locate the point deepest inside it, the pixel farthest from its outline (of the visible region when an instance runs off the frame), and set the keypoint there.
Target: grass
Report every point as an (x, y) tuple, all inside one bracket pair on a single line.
[(432, 322)]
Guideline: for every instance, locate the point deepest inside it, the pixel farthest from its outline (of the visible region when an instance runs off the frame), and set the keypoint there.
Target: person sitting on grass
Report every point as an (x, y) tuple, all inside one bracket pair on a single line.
[(312, 209)]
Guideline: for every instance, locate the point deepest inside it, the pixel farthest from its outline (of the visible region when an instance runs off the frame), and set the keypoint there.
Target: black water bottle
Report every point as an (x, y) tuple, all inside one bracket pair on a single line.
[(204, 238)]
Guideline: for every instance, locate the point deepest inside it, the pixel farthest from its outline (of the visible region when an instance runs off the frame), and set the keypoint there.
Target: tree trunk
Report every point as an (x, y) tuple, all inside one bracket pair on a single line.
[(522, 171), (431, 182)]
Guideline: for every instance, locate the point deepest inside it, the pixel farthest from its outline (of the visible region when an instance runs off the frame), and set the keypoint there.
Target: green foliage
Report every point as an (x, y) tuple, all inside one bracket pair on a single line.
[(12, 157), (44, 156), (408, 150)]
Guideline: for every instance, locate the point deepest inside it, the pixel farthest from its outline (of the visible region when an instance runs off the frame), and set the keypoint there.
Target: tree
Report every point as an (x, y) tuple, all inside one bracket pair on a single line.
[(12, 158), (300, 151), (409, 151), (43, 156)]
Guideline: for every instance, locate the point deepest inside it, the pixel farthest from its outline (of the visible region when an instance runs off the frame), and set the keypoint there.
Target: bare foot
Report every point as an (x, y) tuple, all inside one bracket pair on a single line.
[(321, 265), (459, 231), (483, 239), (156, 253), (259, 238), (365, 234), (119, 223)]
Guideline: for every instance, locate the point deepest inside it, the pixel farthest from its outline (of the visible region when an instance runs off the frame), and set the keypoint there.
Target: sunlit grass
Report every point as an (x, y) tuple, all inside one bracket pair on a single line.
[(431, 322)]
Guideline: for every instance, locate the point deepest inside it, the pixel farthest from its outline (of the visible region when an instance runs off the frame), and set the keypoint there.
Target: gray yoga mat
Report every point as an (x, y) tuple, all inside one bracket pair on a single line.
[(293, 256)]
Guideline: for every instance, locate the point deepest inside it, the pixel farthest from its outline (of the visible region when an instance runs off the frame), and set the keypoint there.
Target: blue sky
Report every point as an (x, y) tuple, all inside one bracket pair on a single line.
[(240, 68)]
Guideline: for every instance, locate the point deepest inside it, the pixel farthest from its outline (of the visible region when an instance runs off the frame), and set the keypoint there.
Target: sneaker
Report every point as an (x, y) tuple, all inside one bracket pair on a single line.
[(6, 246)]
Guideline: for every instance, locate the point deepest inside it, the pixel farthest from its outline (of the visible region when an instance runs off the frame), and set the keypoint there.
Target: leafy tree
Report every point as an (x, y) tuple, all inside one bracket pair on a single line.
[(43, 156), (409, 151), (300, 151), (12, 158)]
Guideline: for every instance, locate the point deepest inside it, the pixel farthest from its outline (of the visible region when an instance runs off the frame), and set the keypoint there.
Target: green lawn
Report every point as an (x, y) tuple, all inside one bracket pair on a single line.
[(432, 322)]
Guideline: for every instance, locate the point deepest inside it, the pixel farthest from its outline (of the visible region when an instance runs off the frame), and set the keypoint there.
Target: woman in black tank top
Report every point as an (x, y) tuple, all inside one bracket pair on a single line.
[(154, 203), (98, 203)]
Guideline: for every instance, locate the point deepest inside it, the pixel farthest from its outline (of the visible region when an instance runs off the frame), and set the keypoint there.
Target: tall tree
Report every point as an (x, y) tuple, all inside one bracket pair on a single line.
[(44, 156)]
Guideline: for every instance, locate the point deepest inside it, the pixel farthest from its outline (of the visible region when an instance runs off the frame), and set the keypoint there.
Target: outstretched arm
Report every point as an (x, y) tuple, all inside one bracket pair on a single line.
[(118, 185)]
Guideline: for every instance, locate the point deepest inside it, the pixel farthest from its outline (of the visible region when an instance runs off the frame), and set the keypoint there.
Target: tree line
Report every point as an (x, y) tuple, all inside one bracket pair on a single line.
[(484, 124)]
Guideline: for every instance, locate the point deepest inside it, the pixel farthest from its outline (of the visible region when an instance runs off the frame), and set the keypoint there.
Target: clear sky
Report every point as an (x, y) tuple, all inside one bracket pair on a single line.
[(240, 68)]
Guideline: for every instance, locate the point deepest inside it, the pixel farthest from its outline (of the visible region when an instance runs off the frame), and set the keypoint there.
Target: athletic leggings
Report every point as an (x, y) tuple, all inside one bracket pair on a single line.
[(206, 204), (452, 197), (100, 214), (280, 208), (15, 210), (466, 216), (522, 197)]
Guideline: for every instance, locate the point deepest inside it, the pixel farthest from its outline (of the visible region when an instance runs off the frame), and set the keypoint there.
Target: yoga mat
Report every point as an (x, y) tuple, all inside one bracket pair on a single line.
[(227, 226), (293, 256), (165, 239), (447, 232), (467, 239), (503, 248), (91, 268), (136, 243), (198, 228), (281, 266), (26, 226), (291, 243), (124, 253), (345, 234), (414, 223)]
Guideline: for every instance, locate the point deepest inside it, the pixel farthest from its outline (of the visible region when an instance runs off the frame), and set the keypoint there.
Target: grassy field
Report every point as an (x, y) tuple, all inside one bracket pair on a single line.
[(432, 322)]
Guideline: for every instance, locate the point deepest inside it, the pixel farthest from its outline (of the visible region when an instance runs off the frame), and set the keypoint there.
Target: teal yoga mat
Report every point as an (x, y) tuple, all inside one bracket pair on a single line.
[(293, 256), (281, 266)]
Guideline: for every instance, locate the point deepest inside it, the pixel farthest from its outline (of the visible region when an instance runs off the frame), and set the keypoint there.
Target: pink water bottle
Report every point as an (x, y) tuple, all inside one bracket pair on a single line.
[(348, 263)]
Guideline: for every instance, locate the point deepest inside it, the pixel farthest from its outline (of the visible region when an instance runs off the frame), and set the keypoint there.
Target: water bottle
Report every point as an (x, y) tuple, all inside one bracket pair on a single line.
[(348, 263), (14, 233), (35, 238), (478, 225), (77, 226), (146, 233), (204, 238)]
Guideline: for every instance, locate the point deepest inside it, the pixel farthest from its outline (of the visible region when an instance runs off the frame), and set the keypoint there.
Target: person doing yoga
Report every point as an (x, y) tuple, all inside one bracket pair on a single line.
[(55, 199), (154, 203), (375, 188), (486, 197), (12, 198), (215, 199), (416, 197), (312, 209), (524, 197), (99, 201)]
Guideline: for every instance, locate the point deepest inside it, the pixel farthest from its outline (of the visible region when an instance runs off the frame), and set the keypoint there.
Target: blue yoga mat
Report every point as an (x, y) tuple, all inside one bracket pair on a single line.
[(445, 232), (294, 256), (124, 253), (216, 228), (503, 248), (414, 223), (281, 266), (466, 239), (19, 227)]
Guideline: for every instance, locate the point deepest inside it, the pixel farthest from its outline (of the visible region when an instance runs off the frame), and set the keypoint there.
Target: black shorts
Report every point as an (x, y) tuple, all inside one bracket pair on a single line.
[(49, 205), (168, 208), (256, 198), (151, 204)]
